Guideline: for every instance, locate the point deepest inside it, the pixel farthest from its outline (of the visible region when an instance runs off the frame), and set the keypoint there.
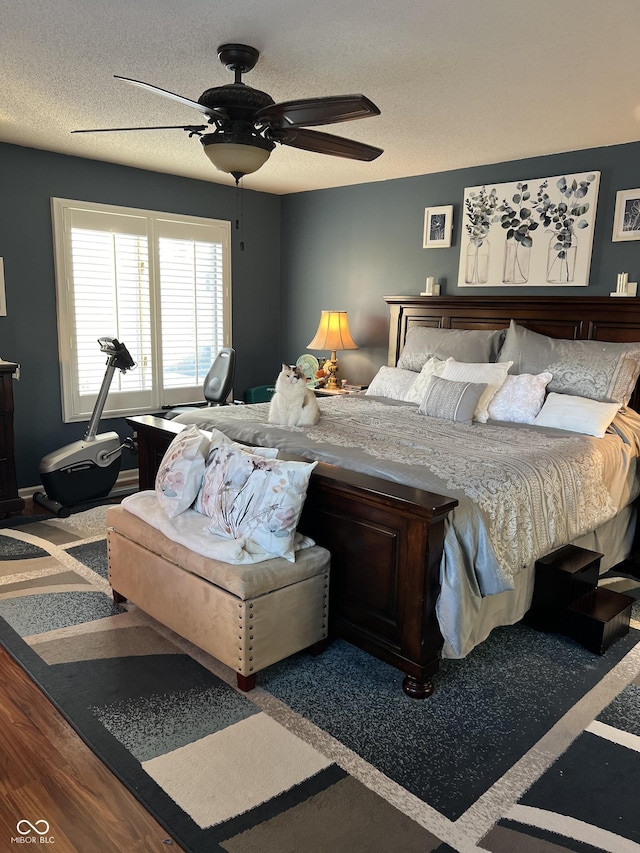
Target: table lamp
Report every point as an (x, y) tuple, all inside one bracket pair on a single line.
[(333, 334)]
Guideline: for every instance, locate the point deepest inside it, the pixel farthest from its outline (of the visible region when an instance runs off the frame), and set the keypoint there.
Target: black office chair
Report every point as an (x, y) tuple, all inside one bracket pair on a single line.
[(217, 384)]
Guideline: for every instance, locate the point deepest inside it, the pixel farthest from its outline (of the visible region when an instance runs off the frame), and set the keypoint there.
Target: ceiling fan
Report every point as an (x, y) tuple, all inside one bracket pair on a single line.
[(248, 123)]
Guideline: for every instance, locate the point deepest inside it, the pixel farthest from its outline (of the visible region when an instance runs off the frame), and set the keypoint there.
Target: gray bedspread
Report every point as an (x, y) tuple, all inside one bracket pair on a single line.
[(523, 491)]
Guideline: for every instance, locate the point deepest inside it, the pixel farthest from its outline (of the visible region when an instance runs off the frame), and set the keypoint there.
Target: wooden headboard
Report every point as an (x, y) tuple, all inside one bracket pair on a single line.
[(585, 318)]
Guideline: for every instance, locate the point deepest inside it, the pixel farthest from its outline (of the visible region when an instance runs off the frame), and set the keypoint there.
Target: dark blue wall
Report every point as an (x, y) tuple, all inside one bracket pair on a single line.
[(346, 248), (28, 334), (342, 248)]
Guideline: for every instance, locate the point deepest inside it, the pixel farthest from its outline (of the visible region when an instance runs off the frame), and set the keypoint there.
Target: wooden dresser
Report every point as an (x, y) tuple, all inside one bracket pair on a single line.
[(9, 500)]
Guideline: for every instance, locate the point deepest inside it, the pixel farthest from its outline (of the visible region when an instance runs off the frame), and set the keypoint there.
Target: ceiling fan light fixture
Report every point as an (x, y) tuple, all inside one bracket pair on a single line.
[(248, 122), (237, 154)]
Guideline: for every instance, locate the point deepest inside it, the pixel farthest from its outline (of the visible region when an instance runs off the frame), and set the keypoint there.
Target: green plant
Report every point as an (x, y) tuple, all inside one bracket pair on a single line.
[(480, 210)]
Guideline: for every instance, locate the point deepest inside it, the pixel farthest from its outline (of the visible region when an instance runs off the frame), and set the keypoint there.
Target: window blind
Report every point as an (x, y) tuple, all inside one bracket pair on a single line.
[(160, 284)]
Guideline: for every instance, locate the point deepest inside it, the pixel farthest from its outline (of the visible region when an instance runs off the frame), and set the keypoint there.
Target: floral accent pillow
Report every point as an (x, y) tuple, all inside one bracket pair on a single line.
[(181, 471), (248, 496), (520, 398), (391, 382), (218, 440)]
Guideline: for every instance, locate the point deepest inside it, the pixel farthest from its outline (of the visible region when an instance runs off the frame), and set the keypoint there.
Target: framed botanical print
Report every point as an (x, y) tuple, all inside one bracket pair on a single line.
[(534, 232), (438, 222), (626, 219)]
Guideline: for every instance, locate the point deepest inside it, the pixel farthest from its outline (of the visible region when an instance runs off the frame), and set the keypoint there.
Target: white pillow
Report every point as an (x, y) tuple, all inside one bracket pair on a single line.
[(391, 382), (492, 374), (519, 398), (416, 392), (577, 414), (250, 497), (181, 471)]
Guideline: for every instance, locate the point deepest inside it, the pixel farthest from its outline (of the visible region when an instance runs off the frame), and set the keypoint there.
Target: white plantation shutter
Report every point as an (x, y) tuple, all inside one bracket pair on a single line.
[(156, 282), (111, 296), (191, 276)]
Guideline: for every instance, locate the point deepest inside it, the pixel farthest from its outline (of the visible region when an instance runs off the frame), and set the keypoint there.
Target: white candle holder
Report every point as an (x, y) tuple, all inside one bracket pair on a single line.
[(432, 289), (624, 287)]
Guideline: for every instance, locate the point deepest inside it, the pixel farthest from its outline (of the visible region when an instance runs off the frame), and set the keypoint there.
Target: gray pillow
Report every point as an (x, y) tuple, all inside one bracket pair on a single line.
[(598, 370), (450, 400), (471, 345)]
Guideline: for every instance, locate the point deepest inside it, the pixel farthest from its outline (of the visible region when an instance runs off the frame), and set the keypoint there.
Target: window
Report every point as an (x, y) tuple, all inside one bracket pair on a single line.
[(160, 283)]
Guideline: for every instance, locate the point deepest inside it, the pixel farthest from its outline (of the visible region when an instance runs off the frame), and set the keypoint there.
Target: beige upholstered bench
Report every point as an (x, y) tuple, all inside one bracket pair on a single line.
[(247, 616)]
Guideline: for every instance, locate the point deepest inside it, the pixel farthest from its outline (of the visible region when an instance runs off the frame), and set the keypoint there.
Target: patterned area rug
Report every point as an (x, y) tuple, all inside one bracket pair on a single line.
[(531, 743)]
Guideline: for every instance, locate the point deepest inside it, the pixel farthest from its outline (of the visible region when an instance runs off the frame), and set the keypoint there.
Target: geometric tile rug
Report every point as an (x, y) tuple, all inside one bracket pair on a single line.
[(530, 743)]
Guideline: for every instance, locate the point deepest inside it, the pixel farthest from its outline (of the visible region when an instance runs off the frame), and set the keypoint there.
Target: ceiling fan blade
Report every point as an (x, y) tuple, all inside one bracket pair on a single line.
[(191, 128), (325, 143), (311, 112), (208, 111)]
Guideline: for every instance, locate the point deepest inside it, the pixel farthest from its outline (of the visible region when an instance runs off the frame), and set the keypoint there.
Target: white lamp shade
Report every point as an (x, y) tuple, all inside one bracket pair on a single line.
[(333, 332)]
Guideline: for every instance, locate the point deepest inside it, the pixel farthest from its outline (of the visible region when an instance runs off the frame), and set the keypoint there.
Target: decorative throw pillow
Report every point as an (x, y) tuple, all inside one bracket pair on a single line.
[(218, 439), (597, 369), (519, 398), (449, 400), (248, 496), (491, 374), (577, 414), (415, 394), (181, 471), (266, 452), (391, 382), (471, 345)]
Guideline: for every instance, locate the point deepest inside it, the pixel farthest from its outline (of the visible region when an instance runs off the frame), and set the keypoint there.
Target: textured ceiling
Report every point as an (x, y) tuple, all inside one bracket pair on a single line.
[(459, 82)]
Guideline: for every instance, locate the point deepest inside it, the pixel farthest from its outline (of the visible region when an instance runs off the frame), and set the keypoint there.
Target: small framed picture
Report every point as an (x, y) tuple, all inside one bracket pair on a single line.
[(626, 220), (438, 222)]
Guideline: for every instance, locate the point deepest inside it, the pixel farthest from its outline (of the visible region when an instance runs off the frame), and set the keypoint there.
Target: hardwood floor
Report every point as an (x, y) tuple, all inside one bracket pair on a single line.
[(48, 773)]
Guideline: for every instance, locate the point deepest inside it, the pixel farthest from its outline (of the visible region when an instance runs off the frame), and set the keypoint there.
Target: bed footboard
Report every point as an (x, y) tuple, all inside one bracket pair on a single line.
[(386, 544)]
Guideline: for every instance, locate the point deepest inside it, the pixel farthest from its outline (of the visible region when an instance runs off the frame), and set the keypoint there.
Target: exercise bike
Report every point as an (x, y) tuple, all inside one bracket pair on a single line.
[(86, 470)]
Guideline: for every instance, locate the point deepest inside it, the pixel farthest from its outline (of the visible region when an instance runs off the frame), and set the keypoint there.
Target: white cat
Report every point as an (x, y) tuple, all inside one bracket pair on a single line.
[(293, 404)]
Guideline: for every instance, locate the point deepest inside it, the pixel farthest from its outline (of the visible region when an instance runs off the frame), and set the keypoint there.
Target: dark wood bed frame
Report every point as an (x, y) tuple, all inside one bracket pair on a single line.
[(386, 539)]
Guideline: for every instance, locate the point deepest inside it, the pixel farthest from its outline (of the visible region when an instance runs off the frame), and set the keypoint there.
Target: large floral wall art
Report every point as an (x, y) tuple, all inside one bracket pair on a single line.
[(534, 232)]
